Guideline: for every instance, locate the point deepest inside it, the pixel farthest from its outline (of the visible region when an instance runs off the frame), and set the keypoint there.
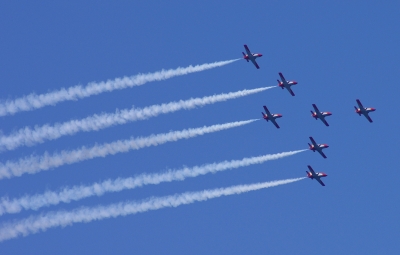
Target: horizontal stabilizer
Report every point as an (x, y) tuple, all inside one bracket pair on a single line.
[(244, 55), (265, 116), (359, 114)]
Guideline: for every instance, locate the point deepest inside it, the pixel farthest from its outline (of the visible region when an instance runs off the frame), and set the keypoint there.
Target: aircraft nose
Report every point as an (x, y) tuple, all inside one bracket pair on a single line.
[(260, 55)]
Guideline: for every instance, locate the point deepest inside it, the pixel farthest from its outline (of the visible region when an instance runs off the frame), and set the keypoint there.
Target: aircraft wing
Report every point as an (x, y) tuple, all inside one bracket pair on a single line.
[(311, 170), (324, 121), (290, 91), (267, 111), (322, 154), (247, 49), (319, 180), (282, 78), (255, 63), (315, 108), (274, 122), (359, 104), (368, 117), (313, 141)]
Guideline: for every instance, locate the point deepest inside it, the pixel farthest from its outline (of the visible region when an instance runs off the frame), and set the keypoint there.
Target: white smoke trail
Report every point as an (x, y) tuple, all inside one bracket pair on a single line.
[(75, 193), (29, 137), (34, 101), (34, 164), (43, 222)]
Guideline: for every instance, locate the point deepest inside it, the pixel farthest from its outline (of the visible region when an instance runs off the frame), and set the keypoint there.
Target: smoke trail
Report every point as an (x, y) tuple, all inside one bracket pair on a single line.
[(29, 137), (34, 164), (43, 222), (75, 193), (33, 101)]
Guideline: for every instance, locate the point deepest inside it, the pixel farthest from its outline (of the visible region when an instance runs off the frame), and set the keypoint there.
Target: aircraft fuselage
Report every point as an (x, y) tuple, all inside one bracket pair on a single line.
[(321, 115), (316, 175), (252, 56), (273, 116), (365, 110), (320, 147), (287, 84)]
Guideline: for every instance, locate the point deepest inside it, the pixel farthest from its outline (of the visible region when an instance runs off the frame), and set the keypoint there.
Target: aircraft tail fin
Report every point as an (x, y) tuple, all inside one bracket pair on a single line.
[(359, 114), (244, 56), (309, 174), (279, 83), (309, 145), (315, 117), (264, 116)]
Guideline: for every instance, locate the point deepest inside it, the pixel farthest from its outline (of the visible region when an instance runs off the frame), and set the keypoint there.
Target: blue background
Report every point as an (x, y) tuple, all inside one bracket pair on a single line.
[(336, 51)]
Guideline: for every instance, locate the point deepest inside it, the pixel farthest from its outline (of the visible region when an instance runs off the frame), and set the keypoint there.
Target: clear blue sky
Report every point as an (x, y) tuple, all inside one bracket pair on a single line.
[(336, 51)]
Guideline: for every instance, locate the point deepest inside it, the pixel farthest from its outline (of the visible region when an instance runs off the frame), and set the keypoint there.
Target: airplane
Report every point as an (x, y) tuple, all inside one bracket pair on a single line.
[(317, 147), (286, 84), (271, 117), (316, 176), (363, 110), (251, 56), (320, 115)]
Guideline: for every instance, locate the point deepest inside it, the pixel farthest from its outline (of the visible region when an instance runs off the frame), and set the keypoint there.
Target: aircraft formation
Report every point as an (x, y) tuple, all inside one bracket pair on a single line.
[(316, 114), (34, 164)]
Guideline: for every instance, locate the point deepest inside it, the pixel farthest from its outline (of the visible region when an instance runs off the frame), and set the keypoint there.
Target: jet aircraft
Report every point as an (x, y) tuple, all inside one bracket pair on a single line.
[(268, 116), (316, 176), (320, 115), (364, 111), (286, 84), (251, 56), (317, 147)]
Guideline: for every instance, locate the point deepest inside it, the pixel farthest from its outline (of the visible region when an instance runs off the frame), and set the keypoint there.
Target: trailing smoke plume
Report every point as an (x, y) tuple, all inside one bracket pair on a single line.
[(29, 137), (34, 101), (43, 222), (75, 193), (34, 164)]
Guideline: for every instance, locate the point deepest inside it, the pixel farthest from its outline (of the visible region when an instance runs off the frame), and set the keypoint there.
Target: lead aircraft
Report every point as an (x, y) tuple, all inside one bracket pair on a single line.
[(251, 56), (317, 147), (317, 176), (286, 84), (268, 116), (364, 111), (320, 115)]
